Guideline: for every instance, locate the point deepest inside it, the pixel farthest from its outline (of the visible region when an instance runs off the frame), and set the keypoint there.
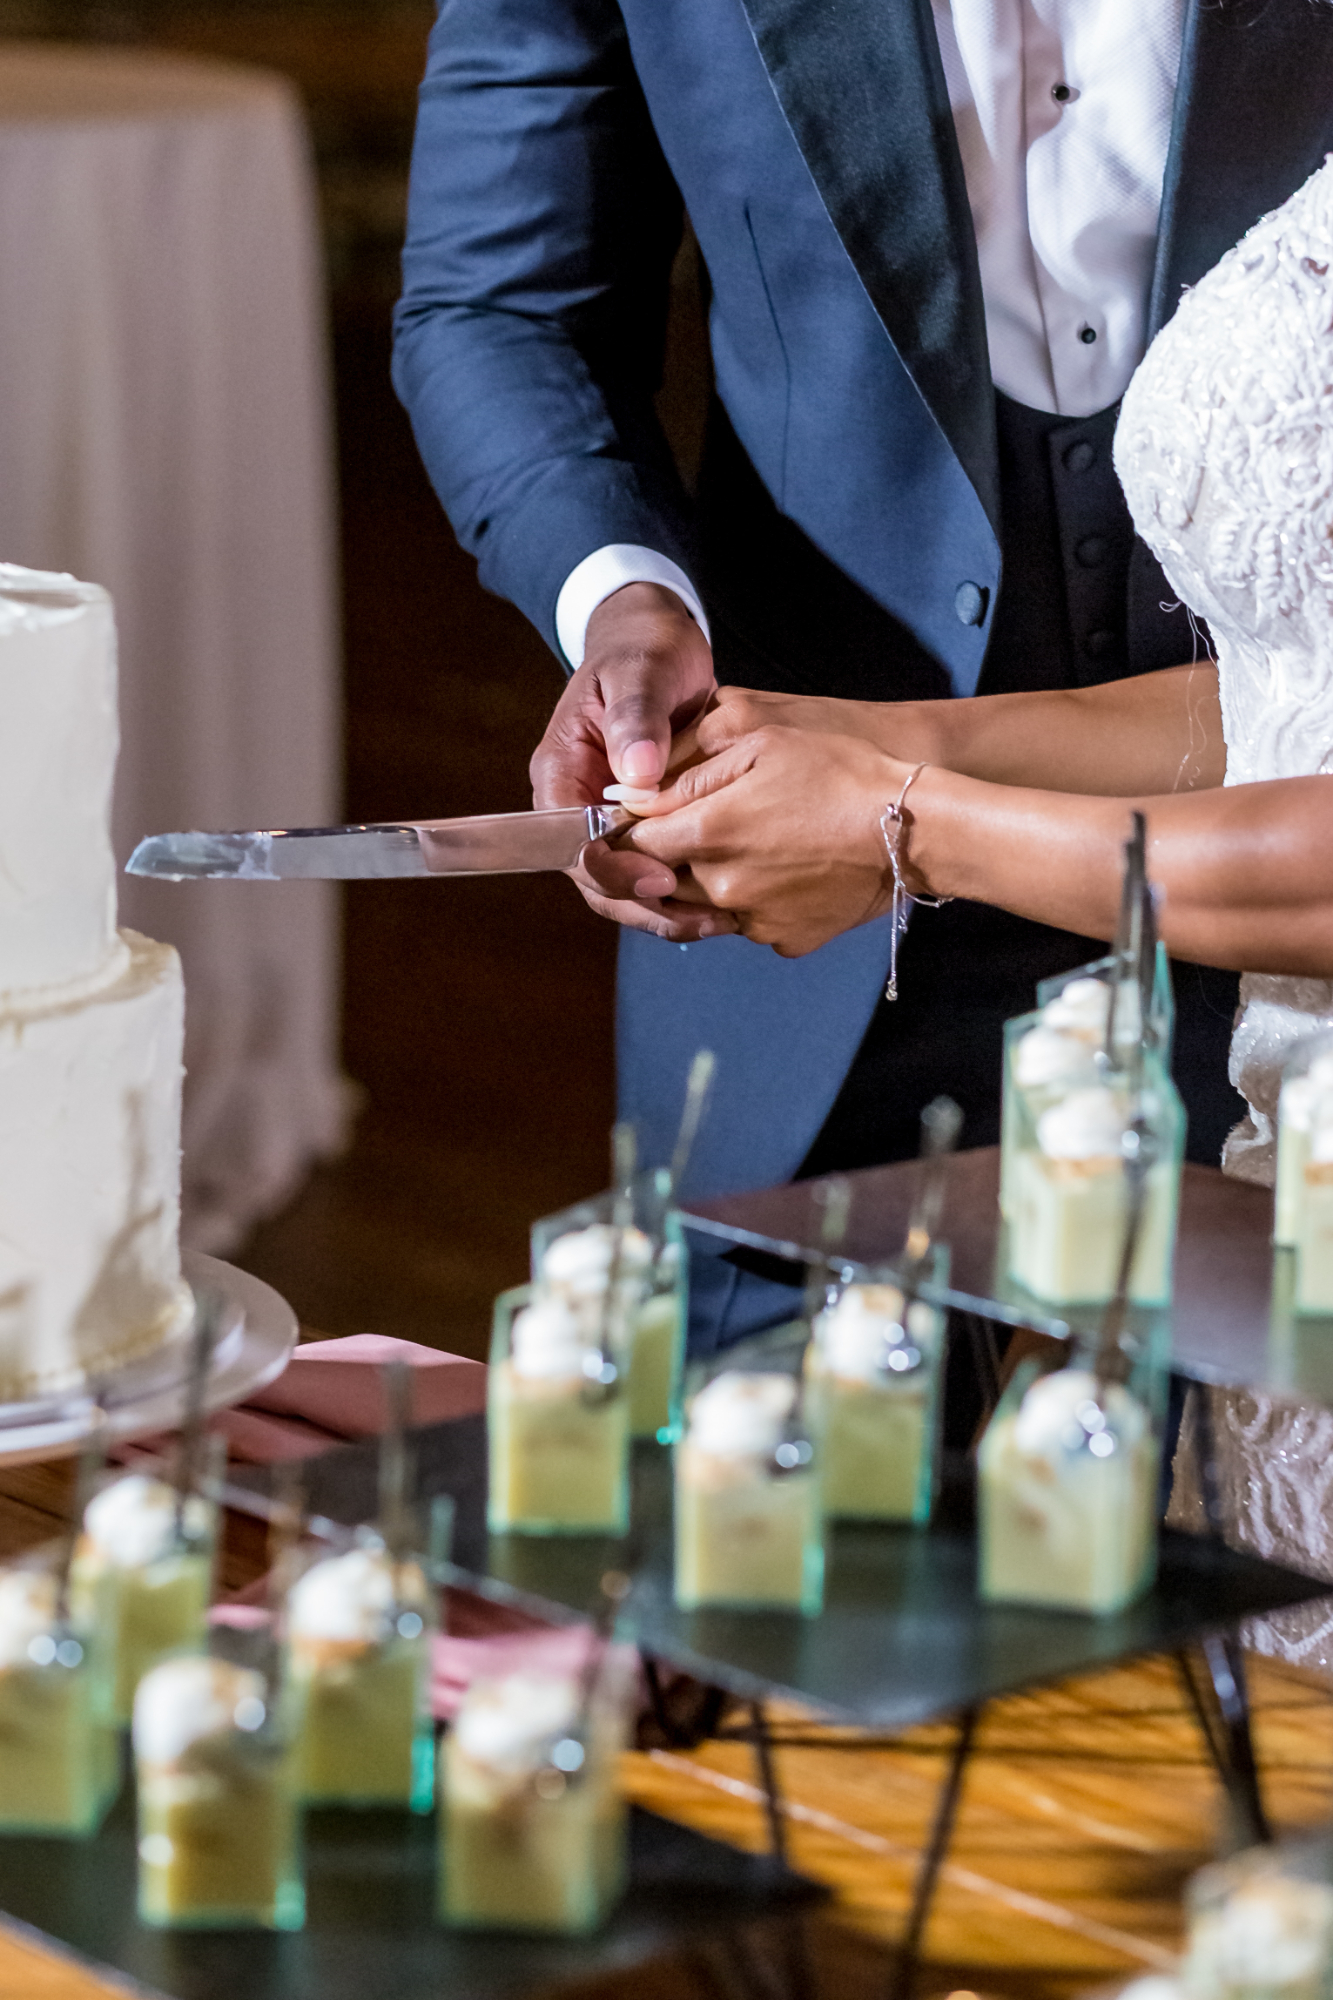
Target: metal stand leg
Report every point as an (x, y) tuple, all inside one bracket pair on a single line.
[(768, 1778), (923, 1894), (1216, 1687)]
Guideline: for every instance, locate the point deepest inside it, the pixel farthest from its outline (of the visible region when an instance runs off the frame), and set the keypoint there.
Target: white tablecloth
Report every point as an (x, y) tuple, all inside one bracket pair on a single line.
[(164, 430)]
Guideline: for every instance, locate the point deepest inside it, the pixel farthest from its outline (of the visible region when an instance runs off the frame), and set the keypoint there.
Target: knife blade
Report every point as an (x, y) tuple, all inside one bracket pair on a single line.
[(523, 843)]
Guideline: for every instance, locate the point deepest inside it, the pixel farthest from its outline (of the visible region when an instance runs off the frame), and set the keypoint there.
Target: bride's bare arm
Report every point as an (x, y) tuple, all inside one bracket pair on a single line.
[(782, 828), (1159, 732)]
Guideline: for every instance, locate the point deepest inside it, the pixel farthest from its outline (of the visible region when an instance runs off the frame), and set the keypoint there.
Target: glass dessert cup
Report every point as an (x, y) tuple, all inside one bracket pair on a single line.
[(532, 1816), (1303, 1207), (872, 1383), (1056, 1048), (1261, 1926), (557, 1423), (143, 1583), (1068, 1191), (1068, 1485), (59, 1754), (358, 1637), (654, 1273), (219, 1827), (749, 1521)]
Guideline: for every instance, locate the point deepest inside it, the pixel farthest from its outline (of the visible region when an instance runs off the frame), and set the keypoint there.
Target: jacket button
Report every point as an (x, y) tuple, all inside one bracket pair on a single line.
[(1091, 552), (1080, 456), (970, 601)]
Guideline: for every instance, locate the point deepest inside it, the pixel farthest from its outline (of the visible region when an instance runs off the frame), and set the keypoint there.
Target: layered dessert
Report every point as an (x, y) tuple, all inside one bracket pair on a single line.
[(1068, 1194), (58, 1753), (1259, 1932), (146, 1585), (218, 1827), (749, 1525), (1067, 1492), (91, 1022), (576, 1267), (359, 1645), (871, 1376), (557, 1423), (532, 1814)]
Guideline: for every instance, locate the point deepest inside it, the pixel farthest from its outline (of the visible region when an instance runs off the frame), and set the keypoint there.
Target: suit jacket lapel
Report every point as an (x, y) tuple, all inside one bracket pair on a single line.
[(862, 87), (1253, 119)]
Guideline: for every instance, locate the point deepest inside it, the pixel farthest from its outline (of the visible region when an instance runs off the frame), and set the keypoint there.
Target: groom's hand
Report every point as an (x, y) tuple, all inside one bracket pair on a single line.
[(647, 672)]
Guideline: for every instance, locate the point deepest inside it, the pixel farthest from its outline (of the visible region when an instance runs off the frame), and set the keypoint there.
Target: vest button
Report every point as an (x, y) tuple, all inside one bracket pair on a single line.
[(1091, 552), (969, 602), (1080, 457), (1098, 644)]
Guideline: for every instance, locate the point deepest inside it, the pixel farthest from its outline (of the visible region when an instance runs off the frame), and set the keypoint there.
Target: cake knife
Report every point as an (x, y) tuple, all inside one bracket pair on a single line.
[(523, 843)]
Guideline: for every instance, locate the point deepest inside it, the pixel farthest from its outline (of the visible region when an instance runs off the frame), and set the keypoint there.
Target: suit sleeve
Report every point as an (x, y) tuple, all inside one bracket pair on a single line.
[(542, 223)]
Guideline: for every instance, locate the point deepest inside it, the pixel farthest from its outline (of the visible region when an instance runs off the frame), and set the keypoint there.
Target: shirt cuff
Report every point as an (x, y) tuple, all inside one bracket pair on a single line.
[(604, 572)]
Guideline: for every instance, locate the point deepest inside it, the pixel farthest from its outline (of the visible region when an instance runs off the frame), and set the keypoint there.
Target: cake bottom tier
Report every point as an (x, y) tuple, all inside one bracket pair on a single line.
[(90, 1106)]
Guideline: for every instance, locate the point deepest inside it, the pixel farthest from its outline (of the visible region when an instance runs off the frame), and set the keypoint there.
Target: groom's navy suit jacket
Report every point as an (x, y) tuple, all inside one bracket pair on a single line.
[(813, 146)]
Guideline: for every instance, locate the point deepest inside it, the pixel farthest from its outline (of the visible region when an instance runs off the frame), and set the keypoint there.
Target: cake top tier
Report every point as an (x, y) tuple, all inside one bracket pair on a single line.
[(58, 741)]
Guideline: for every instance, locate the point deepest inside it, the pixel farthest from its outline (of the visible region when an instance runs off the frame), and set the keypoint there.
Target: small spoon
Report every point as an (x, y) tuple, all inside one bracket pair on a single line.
[(207, 1323), (568, 1758), (601, 1370), (700, 1082), (394, 1460)]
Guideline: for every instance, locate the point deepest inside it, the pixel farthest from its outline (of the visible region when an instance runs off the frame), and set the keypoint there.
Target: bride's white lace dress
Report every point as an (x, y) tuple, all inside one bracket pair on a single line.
[(1225, 451)]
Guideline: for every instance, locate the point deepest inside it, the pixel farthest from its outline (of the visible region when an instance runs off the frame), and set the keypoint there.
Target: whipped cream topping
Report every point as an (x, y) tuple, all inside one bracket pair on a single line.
[(547, 1342), (27, 1611), (132, 1522), (351, 1597), (182, 1701), (580, 1262), (738, 1415), (1270, 1934), (1089, 1124), (854, 1333), (1308, 1099), (1080, 1009), (1052, 1055), (1060, 1412), (511, 1723)]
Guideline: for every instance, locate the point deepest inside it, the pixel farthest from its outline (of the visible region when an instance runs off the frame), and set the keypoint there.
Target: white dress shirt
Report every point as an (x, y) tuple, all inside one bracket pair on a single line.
[(1063, 115)]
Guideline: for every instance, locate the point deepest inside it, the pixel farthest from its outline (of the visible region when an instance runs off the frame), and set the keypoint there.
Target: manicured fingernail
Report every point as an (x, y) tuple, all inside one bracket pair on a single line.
[(641, 764), (628, 795), (653, 885)]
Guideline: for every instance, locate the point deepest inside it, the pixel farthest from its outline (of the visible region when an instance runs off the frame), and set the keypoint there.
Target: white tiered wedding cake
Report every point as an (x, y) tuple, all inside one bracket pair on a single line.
[(91, 1021)]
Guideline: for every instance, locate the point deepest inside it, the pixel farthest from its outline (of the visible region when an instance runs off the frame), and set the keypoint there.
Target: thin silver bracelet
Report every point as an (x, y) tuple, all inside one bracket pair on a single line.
[(894, 825)]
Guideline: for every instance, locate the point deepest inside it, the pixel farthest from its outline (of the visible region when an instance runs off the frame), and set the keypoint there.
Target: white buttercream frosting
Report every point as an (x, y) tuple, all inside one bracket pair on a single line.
[(546, 1341), (27, 1612), (739, 1415), (183, 1701), (1269, 1934), (1080, 1009), (1051, 1055), (132, 1522), (90, 1179), (1061, 1411), (58, 740), (350, 1597), (510, 1724), (580, 1262), (1088, 1124), (854, 1334)]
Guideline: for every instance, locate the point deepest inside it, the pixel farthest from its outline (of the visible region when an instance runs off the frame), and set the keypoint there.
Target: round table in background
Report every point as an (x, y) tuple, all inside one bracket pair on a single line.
[(165, 431)]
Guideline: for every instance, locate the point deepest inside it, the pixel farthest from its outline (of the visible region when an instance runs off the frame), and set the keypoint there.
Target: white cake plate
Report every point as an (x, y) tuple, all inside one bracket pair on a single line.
[(256, 1336)]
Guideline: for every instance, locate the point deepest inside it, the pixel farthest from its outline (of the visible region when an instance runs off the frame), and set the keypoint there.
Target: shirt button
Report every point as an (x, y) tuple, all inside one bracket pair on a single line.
[(1098, 644), (1063, 93), (1080, 457), (1090, 553), (969, 602), (1087, 334)]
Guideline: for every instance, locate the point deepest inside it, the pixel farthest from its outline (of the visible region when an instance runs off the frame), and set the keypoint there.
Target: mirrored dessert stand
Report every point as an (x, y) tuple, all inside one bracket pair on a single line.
[(256, 1336)]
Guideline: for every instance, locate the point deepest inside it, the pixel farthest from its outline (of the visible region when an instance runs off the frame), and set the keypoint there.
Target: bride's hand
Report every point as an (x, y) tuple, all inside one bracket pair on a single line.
[(734, 712), (782, 828)]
